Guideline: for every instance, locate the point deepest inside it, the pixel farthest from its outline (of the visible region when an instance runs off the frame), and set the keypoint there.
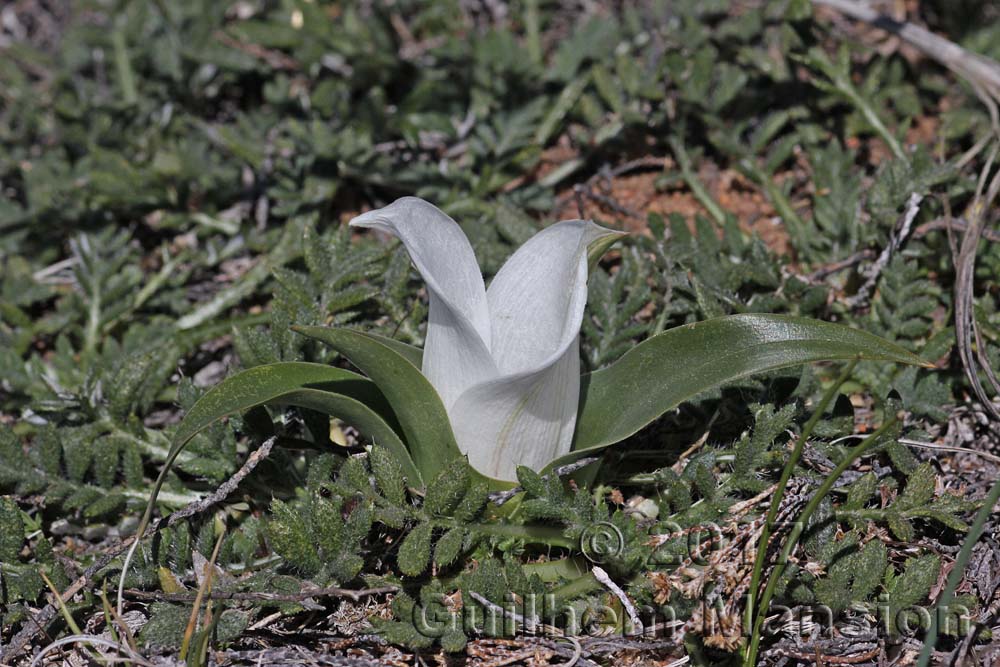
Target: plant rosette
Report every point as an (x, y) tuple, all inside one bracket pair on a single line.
[(498, 380)]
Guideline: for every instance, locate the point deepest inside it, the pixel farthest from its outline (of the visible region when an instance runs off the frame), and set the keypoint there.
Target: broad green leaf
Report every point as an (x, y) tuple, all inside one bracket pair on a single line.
[(334, 391), (664, 371), (413, 354), (360, 415), (414, 401)]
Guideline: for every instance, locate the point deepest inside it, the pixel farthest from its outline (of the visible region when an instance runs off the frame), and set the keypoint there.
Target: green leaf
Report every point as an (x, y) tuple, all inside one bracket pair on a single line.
[(411, 353), (388, 475), (448, 489), (416, 404), (869, 565), (449, 546), (290, 538), (911, 587), (562, 106), (356, 413), (531, 481), (454, 640), (900, 527), (334, 391), (677, 365), (11, 531), (415, 551), (919, 489), (860, 492), (473, 502)]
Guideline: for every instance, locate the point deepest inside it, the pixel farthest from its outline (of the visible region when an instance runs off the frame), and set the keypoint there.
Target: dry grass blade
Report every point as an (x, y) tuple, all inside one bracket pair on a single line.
[(93, 640), (334, 592), (966, 329), (61, 604), (205, 588), (113, 620)]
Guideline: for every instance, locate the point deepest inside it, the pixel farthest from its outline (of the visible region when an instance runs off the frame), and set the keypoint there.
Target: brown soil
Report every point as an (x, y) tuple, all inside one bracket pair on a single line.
[(638, 193)]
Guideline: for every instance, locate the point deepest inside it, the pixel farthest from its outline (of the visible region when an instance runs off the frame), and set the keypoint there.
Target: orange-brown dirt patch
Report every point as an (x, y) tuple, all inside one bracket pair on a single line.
[(638, 193)]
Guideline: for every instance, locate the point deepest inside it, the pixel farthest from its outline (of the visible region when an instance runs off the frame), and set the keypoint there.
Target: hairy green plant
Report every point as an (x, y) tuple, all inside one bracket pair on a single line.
[(173, 179)]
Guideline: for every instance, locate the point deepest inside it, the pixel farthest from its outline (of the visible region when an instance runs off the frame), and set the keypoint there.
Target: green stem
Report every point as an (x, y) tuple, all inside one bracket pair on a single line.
[(126, 79), (151, 449), (796, 226), (842, 84), (531, 534), (866, 109), (691, 179), (145, 293), (532, 29), (554, 570), (779, 493), (576, 588), (957, 572), (547, 535), (799, 526)]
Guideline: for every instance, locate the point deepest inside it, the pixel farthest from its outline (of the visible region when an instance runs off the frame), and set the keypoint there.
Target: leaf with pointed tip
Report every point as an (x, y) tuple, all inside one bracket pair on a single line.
[(334, 391), (675, 366), (359, 415), (414, 401), (411, 353)]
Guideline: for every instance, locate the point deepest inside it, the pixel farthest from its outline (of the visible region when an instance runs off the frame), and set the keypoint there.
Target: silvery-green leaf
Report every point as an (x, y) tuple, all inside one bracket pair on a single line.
[(666, 370), (415, 403), (334, 391)]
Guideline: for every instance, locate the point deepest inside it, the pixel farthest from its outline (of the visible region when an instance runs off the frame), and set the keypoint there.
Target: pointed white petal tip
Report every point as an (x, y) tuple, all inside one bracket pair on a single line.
[(404, 207)]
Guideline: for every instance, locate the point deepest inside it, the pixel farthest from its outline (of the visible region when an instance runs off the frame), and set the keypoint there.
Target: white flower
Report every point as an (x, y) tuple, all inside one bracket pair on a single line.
[(505, 360)]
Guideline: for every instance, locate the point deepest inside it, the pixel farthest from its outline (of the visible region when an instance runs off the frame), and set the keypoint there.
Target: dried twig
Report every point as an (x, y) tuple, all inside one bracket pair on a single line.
[(993, 458), (249, 596), (900, 233), (938, 224), (226, 487), (270, 57), (956, 224), (92, 640), (40, 621), (605, 176), (966, 64), (825, 272), (983, 75), (530, 624), (617, 591)]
